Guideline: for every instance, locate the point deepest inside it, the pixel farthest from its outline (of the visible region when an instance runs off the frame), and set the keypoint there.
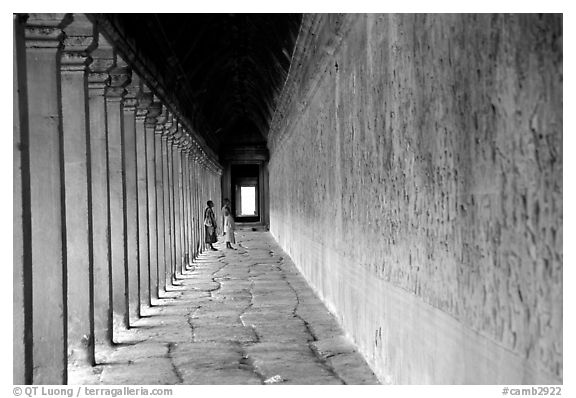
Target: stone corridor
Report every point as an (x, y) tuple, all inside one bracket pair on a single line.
[(234, 317), (410, 165)]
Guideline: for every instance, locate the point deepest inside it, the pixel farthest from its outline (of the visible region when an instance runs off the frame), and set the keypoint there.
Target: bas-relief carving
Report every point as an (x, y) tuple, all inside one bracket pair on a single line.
[(455, 218)]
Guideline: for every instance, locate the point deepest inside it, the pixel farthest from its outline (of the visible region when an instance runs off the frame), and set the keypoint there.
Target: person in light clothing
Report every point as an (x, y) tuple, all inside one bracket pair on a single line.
[(229, 227), (225, 206)]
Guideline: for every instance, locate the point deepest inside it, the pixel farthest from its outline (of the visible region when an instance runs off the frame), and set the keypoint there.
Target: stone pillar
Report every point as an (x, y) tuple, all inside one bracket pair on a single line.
[(205, 183), (78, 43), (202, 193), (154, 111), (186, 199), (176, 201), (98, 78), (173, 201), (146, 291), (21, 308), (193, 215), (193, 212), (193, 206), (199, 207), (167, 206), (179, 216), (45, 263), (202, 198), (199, 214), (120, 77), (183, 221), (180, 196), (160, 213), (165, 202), (158, 271), (183, 200), (131, 188)]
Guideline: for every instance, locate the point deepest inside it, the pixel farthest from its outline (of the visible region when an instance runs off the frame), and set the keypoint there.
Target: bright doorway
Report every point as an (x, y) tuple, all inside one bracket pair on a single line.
[(247, 201), (246, 192)]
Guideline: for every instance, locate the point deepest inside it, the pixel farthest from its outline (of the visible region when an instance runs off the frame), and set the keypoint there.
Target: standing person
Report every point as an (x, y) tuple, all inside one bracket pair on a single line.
[(210, 225), (225, 207), (229, 227)]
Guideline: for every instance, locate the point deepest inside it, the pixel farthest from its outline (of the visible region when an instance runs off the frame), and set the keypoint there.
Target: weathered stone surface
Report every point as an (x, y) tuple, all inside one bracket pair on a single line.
[(119, 78), (146, 371), (45, 261), (102, 60), (79, 41), (19, 307), (218, 329), (427, 152)]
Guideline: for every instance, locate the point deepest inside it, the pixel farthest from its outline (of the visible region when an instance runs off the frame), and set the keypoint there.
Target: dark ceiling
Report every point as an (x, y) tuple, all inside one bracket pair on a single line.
[(225, 69)]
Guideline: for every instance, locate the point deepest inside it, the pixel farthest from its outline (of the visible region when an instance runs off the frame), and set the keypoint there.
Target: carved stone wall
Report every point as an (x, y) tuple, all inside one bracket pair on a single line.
[(416, 181)]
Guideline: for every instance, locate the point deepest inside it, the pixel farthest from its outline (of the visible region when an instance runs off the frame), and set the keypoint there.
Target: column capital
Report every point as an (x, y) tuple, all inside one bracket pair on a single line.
[(192, 146), (132, 93), (154, 110), (163, 116), (120, 76), (195, 152), (79, 41), (45, 30), (173, 130), (145, 98), (102, 62), (185, 142), (167, 125), (182, 133), (161, 120)]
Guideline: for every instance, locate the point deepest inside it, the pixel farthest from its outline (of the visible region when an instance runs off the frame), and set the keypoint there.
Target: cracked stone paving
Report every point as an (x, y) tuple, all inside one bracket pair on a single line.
[(235, 317)]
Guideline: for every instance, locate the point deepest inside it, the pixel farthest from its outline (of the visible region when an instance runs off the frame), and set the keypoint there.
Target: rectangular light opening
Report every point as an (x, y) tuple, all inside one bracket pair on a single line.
[(248, 200)]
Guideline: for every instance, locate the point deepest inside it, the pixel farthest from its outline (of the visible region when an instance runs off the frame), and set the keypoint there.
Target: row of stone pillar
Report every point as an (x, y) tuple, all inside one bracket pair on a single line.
[(109, 191)]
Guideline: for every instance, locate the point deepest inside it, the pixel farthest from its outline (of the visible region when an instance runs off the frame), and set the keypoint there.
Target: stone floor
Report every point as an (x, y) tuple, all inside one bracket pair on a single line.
[(236, 317)]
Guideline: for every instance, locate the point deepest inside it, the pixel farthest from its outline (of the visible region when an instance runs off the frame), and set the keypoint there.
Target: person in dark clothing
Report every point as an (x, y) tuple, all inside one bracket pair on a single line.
[(210, 225)]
